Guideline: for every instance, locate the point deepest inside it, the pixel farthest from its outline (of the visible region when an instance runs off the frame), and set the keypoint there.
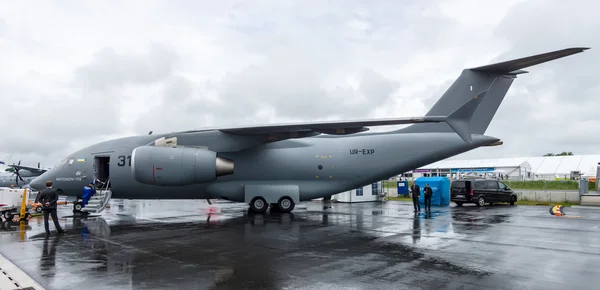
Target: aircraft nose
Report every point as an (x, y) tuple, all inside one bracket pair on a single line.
[(38, 183)]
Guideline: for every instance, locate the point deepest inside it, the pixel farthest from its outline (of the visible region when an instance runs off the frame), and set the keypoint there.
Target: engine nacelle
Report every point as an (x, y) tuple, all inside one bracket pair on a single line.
[(170, 166)]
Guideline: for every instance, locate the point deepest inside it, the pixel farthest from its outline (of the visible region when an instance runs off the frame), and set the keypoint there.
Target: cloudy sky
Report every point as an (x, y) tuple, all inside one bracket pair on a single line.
[(73, 73)]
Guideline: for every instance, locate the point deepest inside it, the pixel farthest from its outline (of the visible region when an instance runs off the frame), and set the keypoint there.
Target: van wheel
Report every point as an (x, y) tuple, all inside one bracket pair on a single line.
[(481, 201), (513, 199)]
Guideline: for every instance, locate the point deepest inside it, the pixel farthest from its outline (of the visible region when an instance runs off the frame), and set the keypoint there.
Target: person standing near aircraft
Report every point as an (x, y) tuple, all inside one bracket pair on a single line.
[(416, 193), (48, 198), (88, 192), (428, 193)]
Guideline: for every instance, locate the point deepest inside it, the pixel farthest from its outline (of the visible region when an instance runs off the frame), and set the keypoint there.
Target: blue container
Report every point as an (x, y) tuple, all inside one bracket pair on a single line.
[(403, 188), (440, 187)]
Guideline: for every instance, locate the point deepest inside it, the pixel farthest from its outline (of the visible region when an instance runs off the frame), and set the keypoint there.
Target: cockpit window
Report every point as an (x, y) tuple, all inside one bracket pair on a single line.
[(65, 162)]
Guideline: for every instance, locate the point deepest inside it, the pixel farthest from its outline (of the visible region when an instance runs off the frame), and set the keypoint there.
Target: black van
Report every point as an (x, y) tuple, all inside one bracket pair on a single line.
[(481, 191)]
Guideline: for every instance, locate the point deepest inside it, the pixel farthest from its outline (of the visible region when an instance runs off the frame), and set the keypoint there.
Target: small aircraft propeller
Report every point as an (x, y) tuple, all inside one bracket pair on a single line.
[(18, 177), (17, 168)]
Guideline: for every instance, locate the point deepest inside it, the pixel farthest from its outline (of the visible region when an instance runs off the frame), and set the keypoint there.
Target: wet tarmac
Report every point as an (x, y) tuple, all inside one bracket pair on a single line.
[(192, 245)]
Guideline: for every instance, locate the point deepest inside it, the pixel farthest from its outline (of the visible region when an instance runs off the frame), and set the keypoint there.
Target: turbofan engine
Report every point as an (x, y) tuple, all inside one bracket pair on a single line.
[(170, 166)]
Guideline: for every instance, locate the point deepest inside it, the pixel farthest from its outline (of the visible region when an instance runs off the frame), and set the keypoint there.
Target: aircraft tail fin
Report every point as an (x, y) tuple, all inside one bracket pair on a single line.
[(460, 119), (495, 79)]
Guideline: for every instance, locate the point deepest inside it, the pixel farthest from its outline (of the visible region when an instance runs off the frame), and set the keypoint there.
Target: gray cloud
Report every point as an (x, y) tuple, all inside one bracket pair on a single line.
[(110, 69), (66, 86)]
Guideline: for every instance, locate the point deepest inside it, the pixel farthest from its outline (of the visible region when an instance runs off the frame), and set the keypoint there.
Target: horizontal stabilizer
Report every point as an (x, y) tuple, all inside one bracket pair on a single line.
[(515, 66), (460, 119)]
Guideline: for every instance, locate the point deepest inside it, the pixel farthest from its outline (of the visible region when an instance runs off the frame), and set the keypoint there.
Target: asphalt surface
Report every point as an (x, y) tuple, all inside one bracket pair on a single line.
[(171, 245)]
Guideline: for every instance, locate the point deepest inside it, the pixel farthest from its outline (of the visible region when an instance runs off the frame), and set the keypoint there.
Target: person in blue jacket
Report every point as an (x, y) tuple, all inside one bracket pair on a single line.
[(88, 192)]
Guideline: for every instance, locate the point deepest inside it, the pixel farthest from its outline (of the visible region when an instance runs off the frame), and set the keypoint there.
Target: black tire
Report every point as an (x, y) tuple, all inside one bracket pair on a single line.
[(77, 207), (38, 209), (286, 204), (8, 215), (481, 201), (513, 200), (459, 203), (259, 204)]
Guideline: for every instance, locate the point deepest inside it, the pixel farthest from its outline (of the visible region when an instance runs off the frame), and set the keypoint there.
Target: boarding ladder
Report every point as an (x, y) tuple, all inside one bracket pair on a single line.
[(98, 202)]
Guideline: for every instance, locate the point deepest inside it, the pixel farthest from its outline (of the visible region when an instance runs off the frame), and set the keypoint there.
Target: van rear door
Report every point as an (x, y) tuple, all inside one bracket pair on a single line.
[(459, 190)]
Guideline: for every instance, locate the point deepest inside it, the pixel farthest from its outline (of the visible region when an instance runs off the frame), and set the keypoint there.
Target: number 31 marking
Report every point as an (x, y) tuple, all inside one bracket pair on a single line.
[(122, 160)]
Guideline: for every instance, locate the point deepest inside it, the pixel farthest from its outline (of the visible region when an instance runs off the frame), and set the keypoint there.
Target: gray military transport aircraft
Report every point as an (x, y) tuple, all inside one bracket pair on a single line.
[(280, 165)]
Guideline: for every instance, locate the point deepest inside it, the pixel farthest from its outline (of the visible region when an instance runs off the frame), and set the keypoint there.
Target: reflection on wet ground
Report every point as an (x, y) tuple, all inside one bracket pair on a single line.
[(193, 245)]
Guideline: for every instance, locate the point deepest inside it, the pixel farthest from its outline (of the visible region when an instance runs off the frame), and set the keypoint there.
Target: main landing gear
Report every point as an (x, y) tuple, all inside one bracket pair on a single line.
[(280, 197), (284, 204)]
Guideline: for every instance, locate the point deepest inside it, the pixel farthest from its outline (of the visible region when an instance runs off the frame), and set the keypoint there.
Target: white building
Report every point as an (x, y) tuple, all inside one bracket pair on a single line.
[(365, 193), (520, 168)]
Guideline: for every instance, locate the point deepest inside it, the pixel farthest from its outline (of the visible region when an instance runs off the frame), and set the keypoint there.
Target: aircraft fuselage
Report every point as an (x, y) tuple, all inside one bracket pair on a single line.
[(10, 179), (320, 166)]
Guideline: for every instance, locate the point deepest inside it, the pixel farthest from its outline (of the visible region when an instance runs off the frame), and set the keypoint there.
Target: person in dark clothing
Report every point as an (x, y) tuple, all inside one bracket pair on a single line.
[(428, 193), (416, 193), (48, 198)]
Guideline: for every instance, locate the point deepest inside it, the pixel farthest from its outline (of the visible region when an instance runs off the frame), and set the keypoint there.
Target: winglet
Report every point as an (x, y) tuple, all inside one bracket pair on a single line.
[(459, 120)]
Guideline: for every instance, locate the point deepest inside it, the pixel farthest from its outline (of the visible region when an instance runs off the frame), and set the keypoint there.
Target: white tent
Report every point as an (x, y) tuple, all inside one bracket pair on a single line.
[(547, 167)]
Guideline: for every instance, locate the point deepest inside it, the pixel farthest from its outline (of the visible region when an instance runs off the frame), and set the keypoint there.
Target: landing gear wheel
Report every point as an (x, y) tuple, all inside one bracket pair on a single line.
[(259, 204), (77, 207), (513, 199), (481, 201), (458, 203), (285, 204), (8, 215)]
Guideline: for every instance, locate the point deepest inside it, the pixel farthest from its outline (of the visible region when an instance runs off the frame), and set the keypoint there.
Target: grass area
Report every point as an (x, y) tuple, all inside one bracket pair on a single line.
[(520, 202), (548, 185), (528, 185), (399, 198), (392, 184), (531, 202)]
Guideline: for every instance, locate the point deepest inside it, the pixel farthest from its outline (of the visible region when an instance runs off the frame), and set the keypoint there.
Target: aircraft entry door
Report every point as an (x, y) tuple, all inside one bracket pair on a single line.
[(102, 168)]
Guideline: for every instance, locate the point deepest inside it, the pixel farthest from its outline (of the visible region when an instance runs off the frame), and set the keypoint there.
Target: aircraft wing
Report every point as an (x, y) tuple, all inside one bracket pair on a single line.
[(333, 127), (458, 120), (30, 169)]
